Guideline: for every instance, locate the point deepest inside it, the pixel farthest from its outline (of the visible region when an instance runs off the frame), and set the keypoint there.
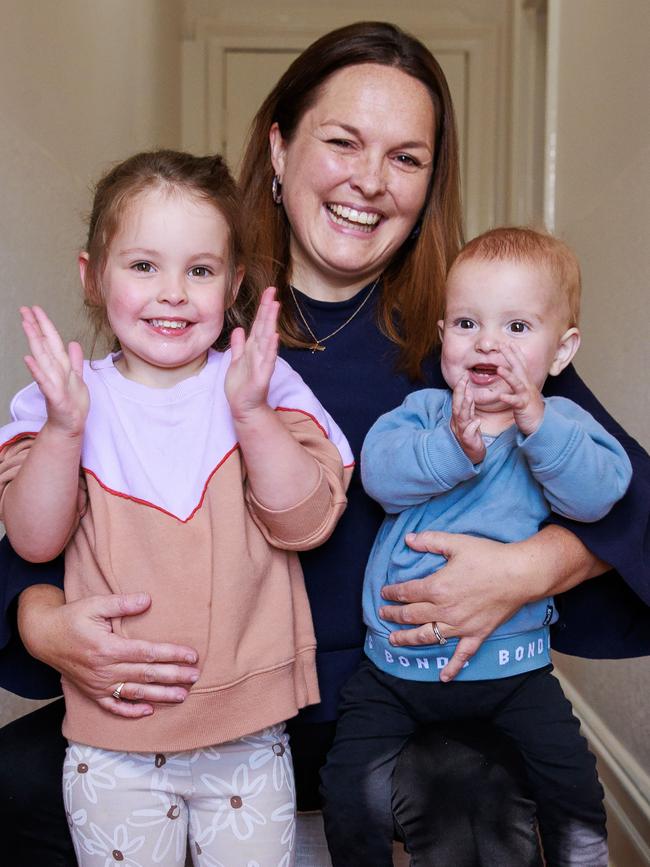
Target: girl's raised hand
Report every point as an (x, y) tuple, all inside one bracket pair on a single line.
[(57, 372), (465, 426), (525, 399), (253, 359)]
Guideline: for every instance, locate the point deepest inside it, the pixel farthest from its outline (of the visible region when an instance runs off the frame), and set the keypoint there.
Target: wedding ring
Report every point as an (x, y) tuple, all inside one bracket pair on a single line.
[(436, 632), (118, 689)]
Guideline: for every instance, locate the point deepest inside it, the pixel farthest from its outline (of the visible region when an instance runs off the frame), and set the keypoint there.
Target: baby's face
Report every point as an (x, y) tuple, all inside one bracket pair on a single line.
[(492, 303)]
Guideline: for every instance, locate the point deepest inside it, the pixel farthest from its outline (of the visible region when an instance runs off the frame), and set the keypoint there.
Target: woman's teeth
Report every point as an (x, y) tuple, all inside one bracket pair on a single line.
[(345, 216), (168, 323)]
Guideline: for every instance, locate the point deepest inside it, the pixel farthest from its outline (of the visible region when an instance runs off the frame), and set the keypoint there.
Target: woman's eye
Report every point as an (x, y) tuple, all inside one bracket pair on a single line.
[(407, 160), (342, 143), (518, 328), (200, 271), (143, 267)]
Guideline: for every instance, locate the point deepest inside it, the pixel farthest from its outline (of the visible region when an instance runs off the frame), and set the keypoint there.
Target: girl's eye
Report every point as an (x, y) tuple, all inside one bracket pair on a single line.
[(143, 267), (466, 323), (518, 327), (200, 271)]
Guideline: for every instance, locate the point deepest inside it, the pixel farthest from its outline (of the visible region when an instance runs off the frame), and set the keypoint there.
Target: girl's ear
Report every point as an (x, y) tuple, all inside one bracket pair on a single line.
[(278, 150), (566, 349), (236, 283), (83, 268)]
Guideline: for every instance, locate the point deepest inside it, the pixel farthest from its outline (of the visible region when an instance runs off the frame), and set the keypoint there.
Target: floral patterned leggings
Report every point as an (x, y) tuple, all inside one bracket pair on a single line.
[(235, 802)]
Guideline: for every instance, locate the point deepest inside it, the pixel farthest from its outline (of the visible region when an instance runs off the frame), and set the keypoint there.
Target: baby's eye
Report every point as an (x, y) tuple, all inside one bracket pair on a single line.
[(200, 271), (466, 324), (517, 327), (143, 267)]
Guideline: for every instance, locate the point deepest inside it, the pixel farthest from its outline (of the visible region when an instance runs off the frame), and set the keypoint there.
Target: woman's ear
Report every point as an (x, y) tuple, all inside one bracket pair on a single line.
[(566, 349), (278, 150)]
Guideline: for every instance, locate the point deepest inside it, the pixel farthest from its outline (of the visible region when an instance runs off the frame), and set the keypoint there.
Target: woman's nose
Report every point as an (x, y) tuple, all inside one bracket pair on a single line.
[(369, 175)]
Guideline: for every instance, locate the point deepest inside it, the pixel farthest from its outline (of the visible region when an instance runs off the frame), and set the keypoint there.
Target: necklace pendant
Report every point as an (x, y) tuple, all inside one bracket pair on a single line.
[(316, 347)]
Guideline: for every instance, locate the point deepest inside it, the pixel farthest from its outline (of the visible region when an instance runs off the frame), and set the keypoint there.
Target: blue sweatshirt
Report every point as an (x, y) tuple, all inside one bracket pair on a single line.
[(413, 466)]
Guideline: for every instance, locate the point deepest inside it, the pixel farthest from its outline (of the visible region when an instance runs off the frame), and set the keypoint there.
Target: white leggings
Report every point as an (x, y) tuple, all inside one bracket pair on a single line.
[(235, 802)]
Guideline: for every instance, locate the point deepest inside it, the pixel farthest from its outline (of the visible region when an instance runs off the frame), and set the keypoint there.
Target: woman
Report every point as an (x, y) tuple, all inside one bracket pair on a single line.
[(351, 186)]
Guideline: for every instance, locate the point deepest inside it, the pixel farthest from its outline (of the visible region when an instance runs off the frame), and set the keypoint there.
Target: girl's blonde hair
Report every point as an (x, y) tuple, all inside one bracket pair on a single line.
[(207, 178)]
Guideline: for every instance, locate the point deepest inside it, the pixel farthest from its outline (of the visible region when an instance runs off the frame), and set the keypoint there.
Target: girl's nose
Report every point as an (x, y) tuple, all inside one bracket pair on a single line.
[(173, 291)]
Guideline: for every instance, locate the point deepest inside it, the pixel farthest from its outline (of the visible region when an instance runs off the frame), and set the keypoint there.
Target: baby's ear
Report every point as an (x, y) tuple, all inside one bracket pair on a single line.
[(566, 349), (441, 329)]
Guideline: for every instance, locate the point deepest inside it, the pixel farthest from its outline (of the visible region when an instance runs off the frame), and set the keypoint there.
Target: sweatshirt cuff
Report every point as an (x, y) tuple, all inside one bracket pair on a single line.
[(447, 461), (300, 523), (552, 440)]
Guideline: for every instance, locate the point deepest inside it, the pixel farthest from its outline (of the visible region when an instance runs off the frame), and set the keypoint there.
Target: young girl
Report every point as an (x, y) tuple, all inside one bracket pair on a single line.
[(193, 474)]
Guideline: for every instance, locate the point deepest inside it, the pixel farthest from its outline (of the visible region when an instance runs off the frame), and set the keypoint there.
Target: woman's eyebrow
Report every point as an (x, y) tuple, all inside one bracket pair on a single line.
[(353, 130)]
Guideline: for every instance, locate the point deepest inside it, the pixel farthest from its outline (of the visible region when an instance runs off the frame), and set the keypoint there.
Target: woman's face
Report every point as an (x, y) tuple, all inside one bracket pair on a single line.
[(355, 176)]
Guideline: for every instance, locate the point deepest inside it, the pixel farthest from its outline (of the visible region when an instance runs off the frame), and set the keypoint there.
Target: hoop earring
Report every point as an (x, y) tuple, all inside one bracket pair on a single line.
[(276, 190)]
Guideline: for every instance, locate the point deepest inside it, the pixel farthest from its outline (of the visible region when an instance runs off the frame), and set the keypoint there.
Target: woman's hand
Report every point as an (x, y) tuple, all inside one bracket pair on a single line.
[(482, 585), (57, 372), (76, 639), (253, 360)]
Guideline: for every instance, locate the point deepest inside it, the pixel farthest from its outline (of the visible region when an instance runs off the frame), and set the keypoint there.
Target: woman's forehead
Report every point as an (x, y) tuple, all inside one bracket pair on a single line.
[(372, 91)]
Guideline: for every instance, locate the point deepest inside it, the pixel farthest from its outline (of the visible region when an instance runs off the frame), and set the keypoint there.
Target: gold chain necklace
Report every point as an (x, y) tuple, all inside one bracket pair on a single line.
[(317, 345)]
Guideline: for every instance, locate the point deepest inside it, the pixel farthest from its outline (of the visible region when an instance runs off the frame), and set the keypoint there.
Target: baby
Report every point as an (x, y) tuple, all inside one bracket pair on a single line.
[(488, 457)]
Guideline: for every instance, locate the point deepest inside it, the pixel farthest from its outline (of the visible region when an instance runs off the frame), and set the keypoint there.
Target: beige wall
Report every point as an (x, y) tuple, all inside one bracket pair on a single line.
[(602, 202), (84, 83), (599, 53)]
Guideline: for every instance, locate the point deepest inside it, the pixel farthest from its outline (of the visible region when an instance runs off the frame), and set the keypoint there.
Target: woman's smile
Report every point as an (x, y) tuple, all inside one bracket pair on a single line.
[(355, 176)]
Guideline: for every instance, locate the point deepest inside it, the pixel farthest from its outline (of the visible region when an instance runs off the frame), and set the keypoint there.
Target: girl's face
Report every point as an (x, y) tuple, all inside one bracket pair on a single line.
[(166, 285), (355, 176)]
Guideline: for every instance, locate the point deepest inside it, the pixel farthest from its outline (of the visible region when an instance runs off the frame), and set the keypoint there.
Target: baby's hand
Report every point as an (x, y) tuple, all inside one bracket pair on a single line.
[(57, 372), (253, 359), (525, 400), (465, 426)]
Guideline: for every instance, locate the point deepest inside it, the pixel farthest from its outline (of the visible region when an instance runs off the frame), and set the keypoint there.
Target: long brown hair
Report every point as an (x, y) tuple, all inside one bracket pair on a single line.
[(411, 301), (207, 178)]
